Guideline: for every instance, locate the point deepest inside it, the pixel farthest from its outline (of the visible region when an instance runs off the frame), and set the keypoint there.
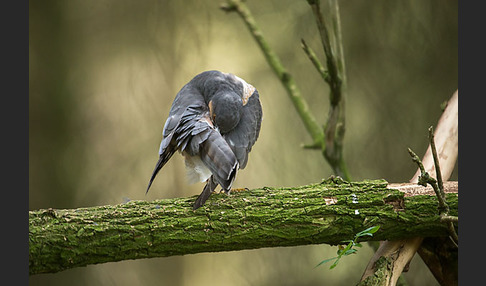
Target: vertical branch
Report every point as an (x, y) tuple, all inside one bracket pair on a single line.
[(437, 253), (443, 207), (438, 187), (446, 140), (436, 164), (335, 80), (334, 128), (286, 78), (338, 40), (330, 138)]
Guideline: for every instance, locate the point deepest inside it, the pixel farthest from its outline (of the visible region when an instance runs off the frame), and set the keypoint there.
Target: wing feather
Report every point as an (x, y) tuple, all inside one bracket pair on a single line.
[(220, 159), (242, 138)]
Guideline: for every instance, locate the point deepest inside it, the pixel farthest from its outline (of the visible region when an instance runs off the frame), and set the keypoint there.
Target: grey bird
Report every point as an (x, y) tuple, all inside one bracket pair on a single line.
[(214, 122)]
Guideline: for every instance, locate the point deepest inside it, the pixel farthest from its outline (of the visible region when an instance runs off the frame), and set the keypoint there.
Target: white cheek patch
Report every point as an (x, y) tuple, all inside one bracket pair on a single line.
[(248, 92), (248, 89)]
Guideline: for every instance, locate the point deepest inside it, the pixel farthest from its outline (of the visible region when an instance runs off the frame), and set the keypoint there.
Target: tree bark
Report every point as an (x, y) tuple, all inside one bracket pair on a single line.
[(328, 212), (398, 254), (388, 254)]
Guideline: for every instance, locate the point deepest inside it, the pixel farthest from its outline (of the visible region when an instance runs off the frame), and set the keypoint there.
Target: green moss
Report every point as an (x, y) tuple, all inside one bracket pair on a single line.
[(267, 217), (379, 277)]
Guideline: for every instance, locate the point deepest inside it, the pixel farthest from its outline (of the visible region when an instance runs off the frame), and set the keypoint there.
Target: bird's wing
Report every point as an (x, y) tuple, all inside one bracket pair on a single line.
[(245, 134), (196, 135), (220, 159), (188, 107), (193, 132)]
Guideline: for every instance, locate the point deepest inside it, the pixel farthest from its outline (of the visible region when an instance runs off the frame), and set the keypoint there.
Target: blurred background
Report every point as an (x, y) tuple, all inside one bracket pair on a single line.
[(103, 74)]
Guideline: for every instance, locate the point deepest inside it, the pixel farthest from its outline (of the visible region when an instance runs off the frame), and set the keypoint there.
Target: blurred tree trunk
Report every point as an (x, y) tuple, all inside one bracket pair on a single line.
[(50, 106), (328, 212)]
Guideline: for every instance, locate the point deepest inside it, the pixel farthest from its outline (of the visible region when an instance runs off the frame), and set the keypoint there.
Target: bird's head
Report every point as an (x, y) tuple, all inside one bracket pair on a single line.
[(225, 110)]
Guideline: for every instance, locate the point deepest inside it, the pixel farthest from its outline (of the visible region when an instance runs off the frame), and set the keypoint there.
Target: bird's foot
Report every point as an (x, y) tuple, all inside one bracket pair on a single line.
[(228, 192), (238, 190)]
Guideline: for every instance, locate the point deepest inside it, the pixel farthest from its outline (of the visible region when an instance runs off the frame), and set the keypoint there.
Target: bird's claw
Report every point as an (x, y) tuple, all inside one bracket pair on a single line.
[(237, 190)]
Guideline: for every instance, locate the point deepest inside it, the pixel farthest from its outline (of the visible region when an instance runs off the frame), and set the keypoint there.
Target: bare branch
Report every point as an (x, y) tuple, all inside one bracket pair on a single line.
[(317, 64), (446, 133), (446, 139), (283, 75), (335, 126), (330, 138)]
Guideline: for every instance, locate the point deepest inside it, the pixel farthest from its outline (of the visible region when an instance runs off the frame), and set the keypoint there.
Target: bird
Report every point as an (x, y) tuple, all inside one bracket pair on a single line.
[(214, 121)]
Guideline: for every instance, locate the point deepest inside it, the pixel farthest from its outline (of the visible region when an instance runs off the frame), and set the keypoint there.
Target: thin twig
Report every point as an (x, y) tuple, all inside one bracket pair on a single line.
[(453, 233), (417, 160), (335, 80), (317, 64), (334, 128), (437, 184), (445, 137), (285, 77), (336, 25), (444, 208), (448, 218), (425, 179), (330, 138), (436, 162)]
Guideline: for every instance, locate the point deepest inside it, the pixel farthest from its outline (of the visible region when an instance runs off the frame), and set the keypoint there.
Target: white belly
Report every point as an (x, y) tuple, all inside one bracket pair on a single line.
[(196, 170)]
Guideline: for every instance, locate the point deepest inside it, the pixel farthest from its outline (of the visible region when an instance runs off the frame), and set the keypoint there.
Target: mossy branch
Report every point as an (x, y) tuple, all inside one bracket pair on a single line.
[(437, 185), (439, 254), (328, 212)]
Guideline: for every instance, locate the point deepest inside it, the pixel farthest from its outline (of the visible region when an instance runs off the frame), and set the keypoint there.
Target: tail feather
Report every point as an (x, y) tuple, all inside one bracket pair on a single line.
[(220, 159), (207, 191), (160, 163)]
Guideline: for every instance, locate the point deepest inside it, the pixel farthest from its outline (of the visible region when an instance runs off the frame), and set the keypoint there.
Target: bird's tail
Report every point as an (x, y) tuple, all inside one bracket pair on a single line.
[(220, 159), (208, 189), (160, 163)]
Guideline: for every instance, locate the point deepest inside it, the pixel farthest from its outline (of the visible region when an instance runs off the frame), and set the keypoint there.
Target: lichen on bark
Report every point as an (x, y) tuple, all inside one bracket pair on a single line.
[(327, 212)]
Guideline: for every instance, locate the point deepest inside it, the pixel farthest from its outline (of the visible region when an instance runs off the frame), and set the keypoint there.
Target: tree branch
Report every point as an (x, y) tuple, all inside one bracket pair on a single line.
[(315, 61), (330, 138), (334, 128), (335, 79), (437, 185), (446, 134), (447, 142), (283, 75), (327, 212), (389, 254)]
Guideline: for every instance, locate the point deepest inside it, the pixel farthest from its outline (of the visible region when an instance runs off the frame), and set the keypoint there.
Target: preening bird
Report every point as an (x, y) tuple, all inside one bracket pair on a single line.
[(214, 121)]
